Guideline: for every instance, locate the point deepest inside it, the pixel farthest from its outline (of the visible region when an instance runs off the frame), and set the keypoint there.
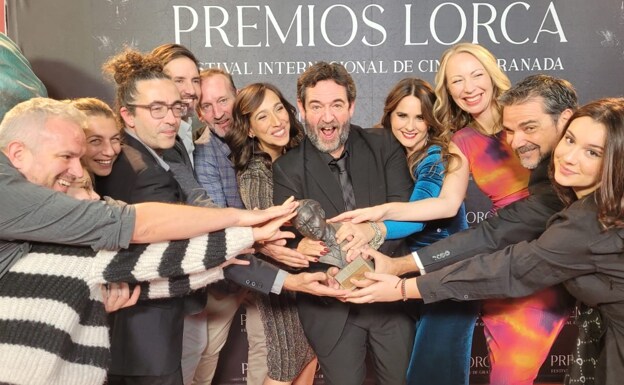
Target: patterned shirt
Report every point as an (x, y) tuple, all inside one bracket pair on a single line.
[(215, 172)]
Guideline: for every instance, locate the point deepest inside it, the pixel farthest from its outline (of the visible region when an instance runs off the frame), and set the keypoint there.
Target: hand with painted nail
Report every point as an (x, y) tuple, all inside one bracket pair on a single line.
[(279, 252), (312, 249)]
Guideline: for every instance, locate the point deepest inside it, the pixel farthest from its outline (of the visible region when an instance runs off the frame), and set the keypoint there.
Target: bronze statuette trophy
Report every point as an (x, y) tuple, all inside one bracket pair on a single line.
[(310, 222)]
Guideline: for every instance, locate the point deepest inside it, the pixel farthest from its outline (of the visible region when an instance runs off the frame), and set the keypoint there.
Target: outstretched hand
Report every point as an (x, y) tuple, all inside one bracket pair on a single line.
[(356, 235), (257, 217), (279, 252), (313, 283), (312, 249), (383, 263), (369, 214), (384, 288), (271, 230)]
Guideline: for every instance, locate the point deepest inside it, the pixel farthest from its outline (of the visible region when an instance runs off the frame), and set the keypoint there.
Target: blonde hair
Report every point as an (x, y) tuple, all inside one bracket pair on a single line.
[(447, 111), (27, 120)]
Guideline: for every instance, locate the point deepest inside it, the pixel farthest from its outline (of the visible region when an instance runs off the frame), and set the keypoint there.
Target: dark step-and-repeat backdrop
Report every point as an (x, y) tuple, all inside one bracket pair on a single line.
[(379, 42)]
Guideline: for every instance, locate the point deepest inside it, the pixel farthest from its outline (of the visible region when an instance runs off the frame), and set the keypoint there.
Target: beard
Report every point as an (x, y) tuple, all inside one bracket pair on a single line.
[(328, 146), (529, 163)]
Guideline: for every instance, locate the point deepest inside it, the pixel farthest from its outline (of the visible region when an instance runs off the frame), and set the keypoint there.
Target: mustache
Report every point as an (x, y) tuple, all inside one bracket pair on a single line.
[(327, 125), (527, 148)]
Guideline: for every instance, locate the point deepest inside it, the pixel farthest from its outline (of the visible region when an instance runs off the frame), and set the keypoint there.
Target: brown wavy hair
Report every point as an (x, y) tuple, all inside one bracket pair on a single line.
[(243, 147), (610, 194), (169, 52), (127, 69), (437, 134)]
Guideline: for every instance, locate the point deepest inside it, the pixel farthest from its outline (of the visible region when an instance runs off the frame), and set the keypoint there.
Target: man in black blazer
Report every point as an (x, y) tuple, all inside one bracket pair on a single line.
[(146, 340), (341, 333)]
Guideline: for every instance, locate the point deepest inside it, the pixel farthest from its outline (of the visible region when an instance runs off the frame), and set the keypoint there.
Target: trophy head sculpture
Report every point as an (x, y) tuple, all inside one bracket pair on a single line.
[(310, 222)]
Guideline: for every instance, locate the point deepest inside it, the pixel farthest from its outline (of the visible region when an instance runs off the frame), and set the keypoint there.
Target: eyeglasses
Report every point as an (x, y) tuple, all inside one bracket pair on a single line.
[(159, 110)]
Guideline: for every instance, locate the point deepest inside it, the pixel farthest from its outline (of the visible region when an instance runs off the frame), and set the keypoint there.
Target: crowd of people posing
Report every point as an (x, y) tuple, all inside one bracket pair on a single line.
[(199, 181)]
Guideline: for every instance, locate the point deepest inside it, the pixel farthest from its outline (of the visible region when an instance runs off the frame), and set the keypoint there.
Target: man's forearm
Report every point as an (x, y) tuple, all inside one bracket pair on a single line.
[(405, 265), (291, 283), (159, 222)]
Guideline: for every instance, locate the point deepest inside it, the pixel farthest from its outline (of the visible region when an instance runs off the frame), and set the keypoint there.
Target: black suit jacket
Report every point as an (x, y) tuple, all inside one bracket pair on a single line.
[(146, 339), (523, 220), (379, 174)]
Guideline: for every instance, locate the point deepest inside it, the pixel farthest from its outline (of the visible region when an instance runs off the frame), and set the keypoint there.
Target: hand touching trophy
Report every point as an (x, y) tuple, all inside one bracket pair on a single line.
[(310, 222)]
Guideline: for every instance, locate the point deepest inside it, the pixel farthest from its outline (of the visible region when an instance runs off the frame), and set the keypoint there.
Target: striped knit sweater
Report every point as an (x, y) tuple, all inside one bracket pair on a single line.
[(53, 327)]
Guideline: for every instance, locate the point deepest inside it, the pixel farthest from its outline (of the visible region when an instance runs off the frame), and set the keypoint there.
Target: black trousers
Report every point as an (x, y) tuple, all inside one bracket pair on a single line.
[(174, 378)]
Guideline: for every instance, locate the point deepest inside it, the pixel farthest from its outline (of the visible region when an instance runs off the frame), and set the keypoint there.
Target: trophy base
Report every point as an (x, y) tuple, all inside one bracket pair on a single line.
[(355, 270)]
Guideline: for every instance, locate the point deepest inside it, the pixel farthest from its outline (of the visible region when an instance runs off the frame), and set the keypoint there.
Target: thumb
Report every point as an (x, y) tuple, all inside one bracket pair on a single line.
[(338, 218), (332, 271), (318, 276), (373, 276)]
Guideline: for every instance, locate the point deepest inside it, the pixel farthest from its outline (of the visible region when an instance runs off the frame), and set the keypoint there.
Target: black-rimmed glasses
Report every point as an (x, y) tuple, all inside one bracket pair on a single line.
[(159, 110)]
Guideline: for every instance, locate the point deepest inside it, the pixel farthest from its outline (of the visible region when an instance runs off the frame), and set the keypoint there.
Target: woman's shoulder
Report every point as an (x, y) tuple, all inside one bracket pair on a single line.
[(469, 133), (434, 149), (432, 162), (255, 167), (434, 153), (464, 132)]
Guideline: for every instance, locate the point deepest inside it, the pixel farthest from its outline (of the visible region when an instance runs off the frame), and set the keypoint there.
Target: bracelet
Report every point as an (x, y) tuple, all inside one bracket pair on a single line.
[(377, 238), (403, 293)]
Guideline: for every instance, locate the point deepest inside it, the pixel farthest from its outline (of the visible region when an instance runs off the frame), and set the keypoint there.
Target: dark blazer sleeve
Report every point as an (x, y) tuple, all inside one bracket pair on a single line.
[(399, 184), (283, 185), (258, 275), (287, 184), (573, 245), (135, 181), (524, 220)]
